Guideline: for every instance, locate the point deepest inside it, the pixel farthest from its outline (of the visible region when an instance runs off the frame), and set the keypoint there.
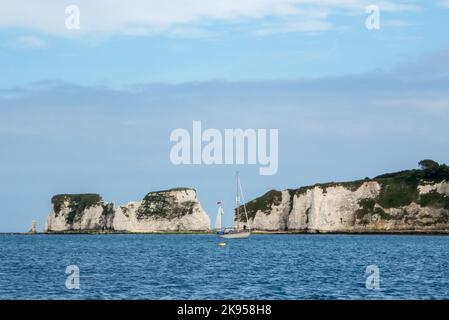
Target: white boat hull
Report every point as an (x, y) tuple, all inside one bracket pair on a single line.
[(236, 235)]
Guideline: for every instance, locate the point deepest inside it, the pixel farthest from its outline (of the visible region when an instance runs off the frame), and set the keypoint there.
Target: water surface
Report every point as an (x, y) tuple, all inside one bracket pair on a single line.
[(195, 267)]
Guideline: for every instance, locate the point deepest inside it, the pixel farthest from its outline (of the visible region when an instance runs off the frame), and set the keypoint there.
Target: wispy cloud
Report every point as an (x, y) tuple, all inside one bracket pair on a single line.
[(29, 42), (397, 6), (139, 17), (444, 3), (293, 27), (394, 23)]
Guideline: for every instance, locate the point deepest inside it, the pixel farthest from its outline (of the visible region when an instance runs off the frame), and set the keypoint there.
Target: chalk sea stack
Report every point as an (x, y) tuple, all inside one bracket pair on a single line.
[(169, 210)]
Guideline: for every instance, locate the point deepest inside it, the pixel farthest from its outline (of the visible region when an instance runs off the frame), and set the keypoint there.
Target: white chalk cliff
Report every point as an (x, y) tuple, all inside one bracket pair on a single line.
[(172, 210), (169, 210), (363, 206)]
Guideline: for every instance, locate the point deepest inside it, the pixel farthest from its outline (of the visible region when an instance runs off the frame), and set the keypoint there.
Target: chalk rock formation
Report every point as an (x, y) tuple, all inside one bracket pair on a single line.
[(170, 210), (389, 204), (79, 212)]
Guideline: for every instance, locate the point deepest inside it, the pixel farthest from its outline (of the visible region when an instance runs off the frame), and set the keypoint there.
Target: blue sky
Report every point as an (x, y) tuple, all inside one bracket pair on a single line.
[(115, 47), (92, 110)]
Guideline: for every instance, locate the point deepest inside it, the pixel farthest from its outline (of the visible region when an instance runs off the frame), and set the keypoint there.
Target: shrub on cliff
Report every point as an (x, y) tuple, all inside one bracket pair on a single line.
[(432, 170), (263, 203), (435, 200), (398, 189), (429, 170), (161, 204), (76, 203)]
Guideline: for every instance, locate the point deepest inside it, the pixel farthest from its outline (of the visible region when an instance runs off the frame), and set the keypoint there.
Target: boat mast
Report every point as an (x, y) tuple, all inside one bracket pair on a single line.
[(240, 193), (237, 198)]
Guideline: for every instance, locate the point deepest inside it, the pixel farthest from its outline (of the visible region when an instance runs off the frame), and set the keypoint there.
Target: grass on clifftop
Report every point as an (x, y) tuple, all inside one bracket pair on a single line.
[(77, 203), (263, 203), (174, 189), (398, 189), (161, 205), (401, 188), (350, 185)]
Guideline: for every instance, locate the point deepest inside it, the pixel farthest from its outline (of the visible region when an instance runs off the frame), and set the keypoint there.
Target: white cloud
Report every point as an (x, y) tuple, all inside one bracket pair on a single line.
[(397, 23), (293, 27), (29, 42), (396, 6), (146, 17), (444, 3)]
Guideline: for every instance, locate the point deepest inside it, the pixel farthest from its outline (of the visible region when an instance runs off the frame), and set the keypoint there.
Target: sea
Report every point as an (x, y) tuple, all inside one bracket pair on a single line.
[(272, 267)]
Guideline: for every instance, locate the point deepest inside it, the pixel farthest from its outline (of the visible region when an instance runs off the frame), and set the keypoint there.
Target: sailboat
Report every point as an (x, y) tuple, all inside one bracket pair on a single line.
[(233, 232)]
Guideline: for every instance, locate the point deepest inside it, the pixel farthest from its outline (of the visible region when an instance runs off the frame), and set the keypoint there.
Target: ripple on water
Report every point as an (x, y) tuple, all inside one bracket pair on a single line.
[(195, 267)]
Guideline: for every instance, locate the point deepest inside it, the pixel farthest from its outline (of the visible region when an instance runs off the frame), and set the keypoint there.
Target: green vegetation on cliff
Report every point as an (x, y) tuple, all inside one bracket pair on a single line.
[(174, 190), (401, 188), (430, 171), (397, 192), (435, 200), (154, 203), (368, 207), (350, 185), (263, 203), (76, 203), (162, 205), (398, 189)]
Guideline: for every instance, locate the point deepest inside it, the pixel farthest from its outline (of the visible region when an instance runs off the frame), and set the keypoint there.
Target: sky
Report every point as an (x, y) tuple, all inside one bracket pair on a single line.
[(92, 109)]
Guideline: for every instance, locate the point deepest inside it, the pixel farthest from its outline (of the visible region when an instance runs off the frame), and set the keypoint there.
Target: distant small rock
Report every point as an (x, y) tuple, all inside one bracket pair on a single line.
[(33, 227)]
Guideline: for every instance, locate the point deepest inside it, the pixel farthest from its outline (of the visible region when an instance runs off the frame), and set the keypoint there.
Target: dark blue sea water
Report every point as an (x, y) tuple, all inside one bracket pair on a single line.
[(195, 267)]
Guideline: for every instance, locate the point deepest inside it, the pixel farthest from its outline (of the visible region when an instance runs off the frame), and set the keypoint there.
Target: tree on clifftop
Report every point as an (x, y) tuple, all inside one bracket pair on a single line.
[(429, 165), (433, 170)]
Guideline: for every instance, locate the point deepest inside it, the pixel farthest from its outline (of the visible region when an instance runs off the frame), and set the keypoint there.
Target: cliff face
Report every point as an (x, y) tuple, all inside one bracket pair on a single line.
[(171, 210), (78, 212), (379, 205)]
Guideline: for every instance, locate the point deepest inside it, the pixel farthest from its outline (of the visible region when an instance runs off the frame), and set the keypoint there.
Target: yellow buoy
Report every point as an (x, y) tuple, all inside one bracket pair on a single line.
[(221, 244)]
